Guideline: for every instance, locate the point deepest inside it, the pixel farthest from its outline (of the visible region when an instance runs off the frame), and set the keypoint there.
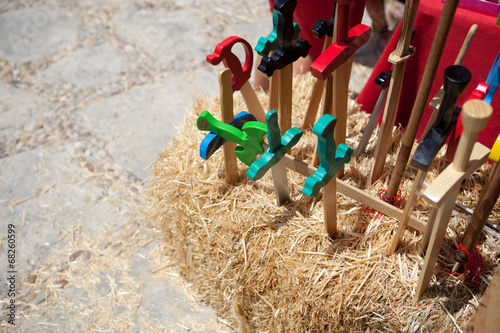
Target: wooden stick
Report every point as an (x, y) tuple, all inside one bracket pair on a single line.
[(252, 102), (330, 207), (280, 181), (340, 86), (372, 123), (327, 108), (274, 102), (443, 191), (312, 107), (398, 58), (316, 95), (465, 45), (437, 236), (431, 66), (327, 96), (410, 204), (428, 230), (226, 108), (285, 98)]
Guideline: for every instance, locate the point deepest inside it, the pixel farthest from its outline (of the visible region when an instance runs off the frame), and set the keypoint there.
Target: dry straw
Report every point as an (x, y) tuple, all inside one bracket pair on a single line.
[(270, 268)]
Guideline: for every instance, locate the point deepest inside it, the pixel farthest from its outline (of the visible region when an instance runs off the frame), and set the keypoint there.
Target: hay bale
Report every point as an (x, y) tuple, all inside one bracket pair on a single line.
[(270, 268)]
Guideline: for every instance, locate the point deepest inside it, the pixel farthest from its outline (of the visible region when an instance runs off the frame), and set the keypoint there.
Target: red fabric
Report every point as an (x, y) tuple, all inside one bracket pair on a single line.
[(480, 56)]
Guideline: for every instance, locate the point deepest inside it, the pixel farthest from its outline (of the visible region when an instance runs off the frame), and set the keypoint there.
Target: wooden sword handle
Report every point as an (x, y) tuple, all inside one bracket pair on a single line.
[(226, 107), (475, 116)]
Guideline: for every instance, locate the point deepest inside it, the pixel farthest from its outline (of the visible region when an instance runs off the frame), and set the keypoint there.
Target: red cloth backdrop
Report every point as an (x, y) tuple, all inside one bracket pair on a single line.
[(480, 56)]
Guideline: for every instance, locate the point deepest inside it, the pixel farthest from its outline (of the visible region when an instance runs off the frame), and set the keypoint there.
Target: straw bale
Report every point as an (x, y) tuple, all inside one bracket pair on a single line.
[(270, 268)]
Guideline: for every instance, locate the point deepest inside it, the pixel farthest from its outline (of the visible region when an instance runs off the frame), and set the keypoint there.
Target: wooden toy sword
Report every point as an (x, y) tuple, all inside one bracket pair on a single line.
[(283, 58), (456, 79), (444, 189), (399, 57), (267, 45)]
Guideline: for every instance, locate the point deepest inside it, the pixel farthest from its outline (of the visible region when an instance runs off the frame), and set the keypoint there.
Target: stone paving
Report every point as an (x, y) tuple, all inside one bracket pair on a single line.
[(91, 91)]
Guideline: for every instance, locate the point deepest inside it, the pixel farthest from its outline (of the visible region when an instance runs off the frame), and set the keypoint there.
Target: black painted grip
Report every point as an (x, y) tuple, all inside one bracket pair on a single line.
[(456, 78)]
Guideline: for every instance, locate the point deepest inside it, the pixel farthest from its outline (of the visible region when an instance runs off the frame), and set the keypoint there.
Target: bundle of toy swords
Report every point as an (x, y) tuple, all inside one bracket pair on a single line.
[(242, 136)]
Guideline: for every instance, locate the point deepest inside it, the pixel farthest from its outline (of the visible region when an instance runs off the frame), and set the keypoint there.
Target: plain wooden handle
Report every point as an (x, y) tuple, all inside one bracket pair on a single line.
[(410, 12), (343, 8), (226, 107), (475, 116), (226, 95), (465, 45)]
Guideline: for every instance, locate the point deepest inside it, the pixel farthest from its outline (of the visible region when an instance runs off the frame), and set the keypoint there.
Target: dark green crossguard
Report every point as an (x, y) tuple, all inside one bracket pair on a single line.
[(249, 139), (278, 146), (331, 157)]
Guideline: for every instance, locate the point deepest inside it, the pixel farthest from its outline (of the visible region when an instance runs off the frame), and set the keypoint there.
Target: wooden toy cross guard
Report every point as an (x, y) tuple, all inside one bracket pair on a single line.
[(332, 158), (347, 41)]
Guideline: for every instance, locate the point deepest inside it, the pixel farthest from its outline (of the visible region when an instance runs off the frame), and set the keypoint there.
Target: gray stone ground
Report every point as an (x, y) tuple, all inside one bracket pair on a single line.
[(90, 92)]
